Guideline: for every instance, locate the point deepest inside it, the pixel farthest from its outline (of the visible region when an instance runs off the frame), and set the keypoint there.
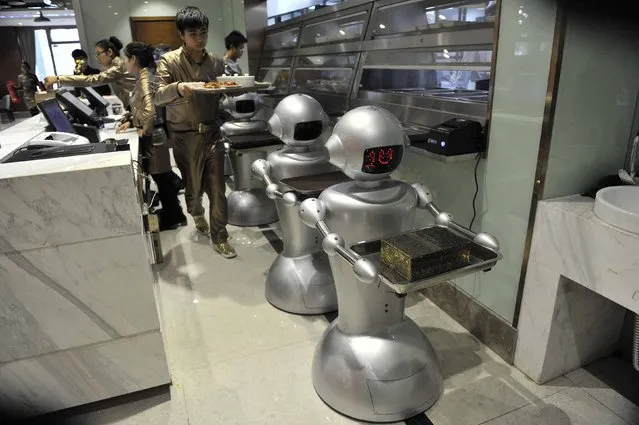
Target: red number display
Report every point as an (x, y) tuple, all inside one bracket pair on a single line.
[(383, 159)]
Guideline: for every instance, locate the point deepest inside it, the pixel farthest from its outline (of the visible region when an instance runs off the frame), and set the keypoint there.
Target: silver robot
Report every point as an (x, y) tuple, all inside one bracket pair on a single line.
[(247, 140), (300, 279), (372, 363)]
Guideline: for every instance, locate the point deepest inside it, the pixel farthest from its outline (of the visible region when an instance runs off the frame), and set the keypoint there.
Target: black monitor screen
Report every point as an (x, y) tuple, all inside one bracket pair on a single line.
[(55, 116), (76, 107), (94, 98)]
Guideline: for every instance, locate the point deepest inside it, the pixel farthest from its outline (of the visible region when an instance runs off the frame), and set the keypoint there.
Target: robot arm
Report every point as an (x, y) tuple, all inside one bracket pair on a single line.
[(446, 219), (261, 168), (312, 212)]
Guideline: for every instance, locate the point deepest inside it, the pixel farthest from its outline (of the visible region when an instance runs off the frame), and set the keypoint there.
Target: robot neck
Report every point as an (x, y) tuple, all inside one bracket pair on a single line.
[(298, 149), (368, 184)]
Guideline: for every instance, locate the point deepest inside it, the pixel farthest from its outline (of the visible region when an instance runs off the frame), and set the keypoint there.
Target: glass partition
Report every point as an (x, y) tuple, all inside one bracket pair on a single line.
[(329, 73), (421, 15), (276, 71), (282, 40), (344, 28), (443, 73)]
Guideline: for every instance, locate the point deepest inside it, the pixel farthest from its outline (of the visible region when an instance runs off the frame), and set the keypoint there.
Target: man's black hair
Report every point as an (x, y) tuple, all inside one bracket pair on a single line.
[(234, 39), (79, 54), (190, 18)]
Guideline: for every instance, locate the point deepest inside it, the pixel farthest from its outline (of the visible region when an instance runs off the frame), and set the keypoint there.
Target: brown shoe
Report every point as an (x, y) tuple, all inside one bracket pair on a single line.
[(224, 249)]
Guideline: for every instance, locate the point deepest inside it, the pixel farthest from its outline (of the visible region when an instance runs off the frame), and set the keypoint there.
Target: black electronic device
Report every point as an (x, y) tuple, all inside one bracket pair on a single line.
[(457, 136), (80, 111), (97, 102), (31, 153), (55, 116)]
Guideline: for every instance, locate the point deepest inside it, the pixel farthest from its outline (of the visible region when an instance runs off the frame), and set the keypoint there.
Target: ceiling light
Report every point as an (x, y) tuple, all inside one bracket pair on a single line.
[(342, 32), (16, 3), (382, 26), (442, 17), (115, 13)]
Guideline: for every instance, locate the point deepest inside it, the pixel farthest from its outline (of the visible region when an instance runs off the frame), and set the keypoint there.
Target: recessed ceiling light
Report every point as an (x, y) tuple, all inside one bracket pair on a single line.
[(442, 17), (342, 32), (382, 26), (115, 13)]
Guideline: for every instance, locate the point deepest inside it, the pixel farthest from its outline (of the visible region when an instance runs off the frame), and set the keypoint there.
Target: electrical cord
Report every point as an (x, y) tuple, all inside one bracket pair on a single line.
[(476, 192)]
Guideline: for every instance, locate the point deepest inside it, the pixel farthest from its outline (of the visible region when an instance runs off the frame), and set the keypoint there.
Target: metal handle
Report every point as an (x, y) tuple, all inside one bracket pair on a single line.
[(446, 219), (261, 168)]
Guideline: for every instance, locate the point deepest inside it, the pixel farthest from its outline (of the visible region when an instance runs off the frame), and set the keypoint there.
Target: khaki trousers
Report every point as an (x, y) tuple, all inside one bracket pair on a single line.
[(200, 158)]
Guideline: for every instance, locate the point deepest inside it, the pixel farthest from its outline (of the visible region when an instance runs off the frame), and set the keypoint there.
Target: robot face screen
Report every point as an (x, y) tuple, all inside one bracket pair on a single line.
[(245, 106), (308, 130), (384, 159)]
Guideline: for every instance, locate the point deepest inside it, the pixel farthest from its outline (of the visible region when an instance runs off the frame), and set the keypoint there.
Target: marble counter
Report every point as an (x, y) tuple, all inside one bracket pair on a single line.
[(78, 317), (581, 278)]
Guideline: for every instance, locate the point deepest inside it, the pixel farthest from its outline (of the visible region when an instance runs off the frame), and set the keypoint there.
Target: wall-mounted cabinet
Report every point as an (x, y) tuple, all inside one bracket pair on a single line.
[(411, 56)]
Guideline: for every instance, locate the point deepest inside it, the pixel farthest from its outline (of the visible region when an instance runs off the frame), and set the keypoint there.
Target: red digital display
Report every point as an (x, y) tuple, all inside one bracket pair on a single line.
[(383, 159)]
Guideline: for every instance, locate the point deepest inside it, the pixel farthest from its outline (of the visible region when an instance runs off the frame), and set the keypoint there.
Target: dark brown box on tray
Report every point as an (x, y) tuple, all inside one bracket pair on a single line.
[(426, 252)]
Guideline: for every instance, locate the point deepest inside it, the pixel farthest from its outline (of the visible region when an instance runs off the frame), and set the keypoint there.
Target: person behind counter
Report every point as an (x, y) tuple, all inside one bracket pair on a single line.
[(82, 67), (28, 86), (194, 124), (156, 160), (108, 54), (235, 43)]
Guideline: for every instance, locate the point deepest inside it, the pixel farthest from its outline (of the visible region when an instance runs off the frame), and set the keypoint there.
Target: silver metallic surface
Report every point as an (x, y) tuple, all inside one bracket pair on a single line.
[(365, 127), (372, 363), (248, 203), (229, 104), (487, 240), (294, 109), (300, 280)]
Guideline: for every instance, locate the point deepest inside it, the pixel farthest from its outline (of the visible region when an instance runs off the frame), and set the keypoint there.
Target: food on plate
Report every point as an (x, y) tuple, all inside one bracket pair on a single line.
[(220, 84)]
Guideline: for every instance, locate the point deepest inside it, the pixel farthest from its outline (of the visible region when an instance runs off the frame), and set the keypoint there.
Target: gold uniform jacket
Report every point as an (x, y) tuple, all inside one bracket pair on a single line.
[(198, 111), (122, 83)]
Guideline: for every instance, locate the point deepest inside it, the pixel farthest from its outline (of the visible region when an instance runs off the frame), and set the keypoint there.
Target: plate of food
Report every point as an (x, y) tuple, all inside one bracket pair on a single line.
[(216, 86), (262, 84)]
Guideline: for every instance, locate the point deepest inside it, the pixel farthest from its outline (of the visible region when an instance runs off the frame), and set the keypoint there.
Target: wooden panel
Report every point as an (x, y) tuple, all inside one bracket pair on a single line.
[(156, 31)]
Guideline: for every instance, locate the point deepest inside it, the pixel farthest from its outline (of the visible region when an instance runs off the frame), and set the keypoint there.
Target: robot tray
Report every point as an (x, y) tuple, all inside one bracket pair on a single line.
[(311, 186), (476, 258)]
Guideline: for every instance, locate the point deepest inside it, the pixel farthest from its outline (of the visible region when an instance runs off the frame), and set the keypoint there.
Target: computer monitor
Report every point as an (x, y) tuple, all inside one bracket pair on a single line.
[(55, 116), (97, 102), (78, 109)]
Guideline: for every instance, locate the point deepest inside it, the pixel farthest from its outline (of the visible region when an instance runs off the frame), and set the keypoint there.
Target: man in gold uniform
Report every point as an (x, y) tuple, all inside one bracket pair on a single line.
[(194, 123)]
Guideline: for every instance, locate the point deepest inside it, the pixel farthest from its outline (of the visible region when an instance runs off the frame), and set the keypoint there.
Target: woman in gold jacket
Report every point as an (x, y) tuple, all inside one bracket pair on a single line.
[(154, 149), (108, 54)]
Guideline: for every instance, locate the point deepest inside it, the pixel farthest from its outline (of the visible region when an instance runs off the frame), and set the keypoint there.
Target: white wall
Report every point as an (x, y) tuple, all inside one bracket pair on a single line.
[(98, 19)]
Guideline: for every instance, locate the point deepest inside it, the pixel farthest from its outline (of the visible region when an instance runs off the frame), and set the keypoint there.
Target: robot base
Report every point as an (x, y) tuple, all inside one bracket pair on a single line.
[(385, 376), (250, 208), (301, 285)]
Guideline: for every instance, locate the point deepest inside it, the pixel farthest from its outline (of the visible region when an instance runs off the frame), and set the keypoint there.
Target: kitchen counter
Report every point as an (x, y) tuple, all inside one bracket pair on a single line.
[(78, 318), (581, 278)]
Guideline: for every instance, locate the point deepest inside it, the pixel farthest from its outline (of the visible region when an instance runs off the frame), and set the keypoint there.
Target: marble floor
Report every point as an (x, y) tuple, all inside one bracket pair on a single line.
[(235, 359)]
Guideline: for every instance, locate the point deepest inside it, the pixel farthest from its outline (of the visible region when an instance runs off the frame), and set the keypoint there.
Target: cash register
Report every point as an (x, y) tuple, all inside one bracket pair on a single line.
[(60, 139)]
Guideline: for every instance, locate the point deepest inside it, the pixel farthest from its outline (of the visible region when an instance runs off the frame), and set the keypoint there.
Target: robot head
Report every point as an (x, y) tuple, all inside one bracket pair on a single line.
[(367, 143), (298, 120), (242, 107)]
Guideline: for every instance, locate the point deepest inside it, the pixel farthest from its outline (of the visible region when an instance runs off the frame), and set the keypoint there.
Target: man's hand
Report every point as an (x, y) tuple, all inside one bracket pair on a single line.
[(50, 81), (140, 132), (186, 89), (123, 127)]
